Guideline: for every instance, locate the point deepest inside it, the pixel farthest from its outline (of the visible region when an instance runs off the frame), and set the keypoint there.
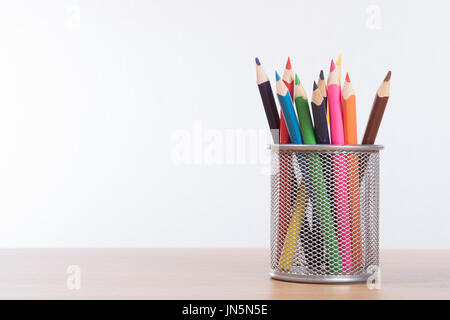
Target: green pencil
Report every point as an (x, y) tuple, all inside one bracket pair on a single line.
[(329, 240), (323, 232), (304, 117), (322, 201), (311, 234)]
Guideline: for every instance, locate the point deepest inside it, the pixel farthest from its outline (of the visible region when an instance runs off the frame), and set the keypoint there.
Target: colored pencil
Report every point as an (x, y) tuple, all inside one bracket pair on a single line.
[(300, 199), (339, 73), (322, 201), (285, 198), (304, 117), (323, 236), (375, 117), (339, 67), (351, 138), (349, 112), (334, 103), (270, 107), (314, 257), (322, 84), (340, 169), (376, 114), (290, 118), (288, 79), (318, 107), (288, 111), (296, 221)]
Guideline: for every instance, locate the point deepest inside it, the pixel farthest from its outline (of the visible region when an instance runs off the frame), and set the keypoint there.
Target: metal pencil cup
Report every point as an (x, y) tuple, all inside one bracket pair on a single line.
[(324, 212)]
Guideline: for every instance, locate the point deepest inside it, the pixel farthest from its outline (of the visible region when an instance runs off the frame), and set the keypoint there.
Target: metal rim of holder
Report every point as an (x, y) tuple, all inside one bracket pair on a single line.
[(325, 147)]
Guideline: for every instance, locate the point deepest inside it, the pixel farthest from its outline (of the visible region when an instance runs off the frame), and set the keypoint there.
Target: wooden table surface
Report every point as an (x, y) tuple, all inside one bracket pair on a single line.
[(204, 274)]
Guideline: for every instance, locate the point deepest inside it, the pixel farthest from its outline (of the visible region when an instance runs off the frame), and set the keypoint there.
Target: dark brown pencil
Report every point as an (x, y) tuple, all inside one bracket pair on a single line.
[(265, 90), (373, 124), (319, 111), (322, 84), (378, 107)]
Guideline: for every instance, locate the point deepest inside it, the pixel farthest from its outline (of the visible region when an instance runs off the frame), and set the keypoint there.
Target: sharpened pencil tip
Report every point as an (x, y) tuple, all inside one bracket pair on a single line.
[(297, 79), (322, 77), (347, 78), (315, 86), (288, 64), (277, 76), (388, 76), (339, 61), (257, 61), (332, 66)]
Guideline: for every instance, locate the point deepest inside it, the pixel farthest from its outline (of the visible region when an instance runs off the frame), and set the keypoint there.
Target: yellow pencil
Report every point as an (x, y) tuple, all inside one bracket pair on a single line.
[(339, 67), (296, 222)]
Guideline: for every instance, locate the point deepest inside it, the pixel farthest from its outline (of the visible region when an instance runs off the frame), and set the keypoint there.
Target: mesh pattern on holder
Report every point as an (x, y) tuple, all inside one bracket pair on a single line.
[(324, 214)]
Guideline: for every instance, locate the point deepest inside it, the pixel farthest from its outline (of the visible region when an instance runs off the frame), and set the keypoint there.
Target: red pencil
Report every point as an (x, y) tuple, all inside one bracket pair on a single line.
[(289, 81)]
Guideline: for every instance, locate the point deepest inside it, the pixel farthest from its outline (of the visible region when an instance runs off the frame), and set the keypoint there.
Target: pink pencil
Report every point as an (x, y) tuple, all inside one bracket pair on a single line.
[(334, 101), (340, 170)]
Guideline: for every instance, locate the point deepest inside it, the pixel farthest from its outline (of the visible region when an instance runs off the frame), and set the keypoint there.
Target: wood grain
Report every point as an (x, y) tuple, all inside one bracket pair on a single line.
[(204, 274)]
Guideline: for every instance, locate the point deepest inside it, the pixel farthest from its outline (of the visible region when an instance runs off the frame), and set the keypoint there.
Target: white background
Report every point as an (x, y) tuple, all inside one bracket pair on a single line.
[(93, 95)]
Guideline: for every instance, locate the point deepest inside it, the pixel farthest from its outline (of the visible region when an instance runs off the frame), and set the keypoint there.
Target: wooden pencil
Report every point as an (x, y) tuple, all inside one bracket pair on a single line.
[(375, 117), (349, 112), (297, 220), (324, 137), (339, 67), (285, 199), (334, 103), (340, 169), (286, 174), (318, 107), (304, 116), (378, 107), (314, 255), (288, 111), (327, 229), (351, 138), (325, 251), (270, 107), (322, 84), (288, 79)]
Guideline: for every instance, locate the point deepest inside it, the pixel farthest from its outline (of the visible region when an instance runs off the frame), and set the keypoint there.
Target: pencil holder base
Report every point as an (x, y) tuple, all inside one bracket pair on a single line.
[(319, 278)]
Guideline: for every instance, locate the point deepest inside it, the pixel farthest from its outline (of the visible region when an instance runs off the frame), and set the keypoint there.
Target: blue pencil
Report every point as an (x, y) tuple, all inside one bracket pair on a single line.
[(301, 196), (288, 111)]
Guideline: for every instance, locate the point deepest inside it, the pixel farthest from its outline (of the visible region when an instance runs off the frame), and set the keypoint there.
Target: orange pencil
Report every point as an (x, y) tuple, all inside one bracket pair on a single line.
[(350, 137), (349, 112)]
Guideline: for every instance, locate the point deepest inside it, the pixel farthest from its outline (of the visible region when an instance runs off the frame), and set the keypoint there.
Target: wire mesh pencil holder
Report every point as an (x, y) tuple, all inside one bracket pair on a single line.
[(324, 212)]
